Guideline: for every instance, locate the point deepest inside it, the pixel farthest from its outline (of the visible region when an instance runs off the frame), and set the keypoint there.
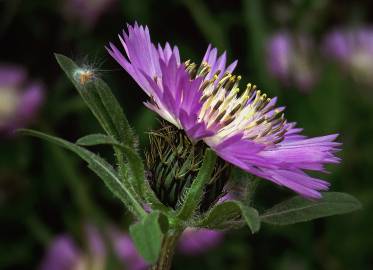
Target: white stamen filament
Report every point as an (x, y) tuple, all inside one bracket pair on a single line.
[(248, 113)]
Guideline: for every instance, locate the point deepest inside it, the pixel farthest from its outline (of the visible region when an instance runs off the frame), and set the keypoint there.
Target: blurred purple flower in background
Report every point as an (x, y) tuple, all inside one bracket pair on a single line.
[(64, 254), (20, 99), (289, 60), (353, 50), (88, 12), (126, 251), (196, 242)]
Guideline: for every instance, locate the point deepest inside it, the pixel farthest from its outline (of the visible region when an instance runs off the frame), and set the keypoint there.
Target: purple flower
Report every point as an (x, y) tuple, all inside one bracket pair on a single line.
[(127, 252), (245, 129), (87, 11), (289, 60), (20, 99), (65, 254), (95, 242), (195, 242), (62, 254), (353, 49), (279, 53)]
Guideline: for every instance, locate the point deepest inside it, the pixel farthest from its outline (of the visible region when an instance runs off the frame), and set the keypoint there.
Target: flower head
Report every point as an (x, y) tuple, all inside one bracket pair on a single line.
[(353, 49), (173, 162), (245, 128), (20, 99), (289, 60)]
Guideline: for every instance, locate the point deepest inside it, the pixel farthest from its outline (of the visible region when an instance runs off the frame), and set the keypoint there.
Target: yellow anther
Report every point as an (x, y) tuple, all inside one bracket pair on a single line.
[(235, 90)]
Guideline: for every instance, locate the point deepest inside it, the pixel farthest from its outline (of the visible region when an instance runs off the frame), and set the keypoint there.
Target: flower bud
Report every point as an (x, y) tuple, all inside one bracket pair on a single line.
[(173, 162)]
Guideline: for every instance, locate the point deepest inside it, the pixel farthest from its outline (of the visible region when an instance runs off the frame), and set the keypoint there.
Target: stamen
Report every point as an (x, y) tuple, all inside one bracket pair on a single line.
[(232, 113), (235, 109), (217, 105)]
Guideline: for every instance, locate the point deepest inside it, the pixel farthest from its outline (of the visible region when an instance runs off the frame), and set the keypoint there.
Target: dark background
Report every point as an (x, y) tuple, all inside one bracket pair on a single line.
[(46, 191)]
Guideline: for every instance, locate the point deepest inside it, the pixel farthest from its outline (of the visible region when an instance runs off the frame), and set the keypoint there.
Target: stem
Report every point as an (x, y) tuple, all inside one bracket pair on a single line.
[(167, 252)]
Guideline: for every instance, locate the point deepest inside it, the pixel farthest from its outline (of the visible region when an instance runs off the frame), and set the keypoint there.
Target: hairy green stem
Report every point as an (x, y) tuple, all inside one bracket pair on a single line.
[(167, 252)]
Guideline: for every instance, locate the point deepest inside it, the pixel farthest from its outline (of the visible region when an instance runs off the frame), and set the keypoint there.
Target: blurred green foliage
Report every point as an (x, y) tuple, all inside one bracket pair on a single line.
[(45, 191)]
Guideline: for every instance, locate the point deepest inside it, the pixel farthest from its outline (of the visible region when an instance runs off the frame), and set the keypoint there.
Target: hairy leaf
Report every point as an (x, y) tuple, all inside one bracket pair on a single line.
[(99, 98), (135, 165), (96, 139), (299, 209), (228, 212), (103, 169), (147, 237)]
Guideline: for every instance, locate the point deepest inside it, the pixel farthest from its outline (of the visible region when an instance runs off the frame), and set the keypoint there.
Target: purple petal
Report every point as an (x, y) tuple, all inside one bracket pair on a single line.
[(283, 163)]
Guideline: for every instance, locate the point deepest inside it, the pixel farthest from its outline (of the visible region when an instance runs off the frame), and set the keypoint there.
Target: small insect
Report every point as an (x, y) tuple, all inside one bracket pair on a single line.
[(88, 71), (84, 75)]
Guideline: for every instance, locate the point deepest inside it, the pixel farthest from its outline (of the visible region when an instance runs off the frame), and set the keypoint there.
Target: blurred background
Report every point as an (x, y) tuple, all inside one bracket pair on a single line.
[(315, 55)]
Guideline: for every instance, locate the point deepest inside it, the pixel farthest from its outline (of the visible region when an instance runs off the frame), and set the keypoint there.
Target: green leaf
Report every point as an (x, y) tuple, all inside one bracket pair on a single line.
[(103, 169), (135, 165), (251, 216), (104, 106), (226, 213), (245, 183), (194, 194), (99, 98), (96, 139), (221, 214), (147, 237), (299, 209)]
